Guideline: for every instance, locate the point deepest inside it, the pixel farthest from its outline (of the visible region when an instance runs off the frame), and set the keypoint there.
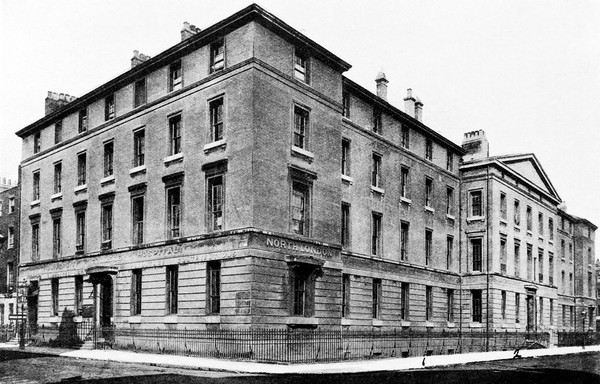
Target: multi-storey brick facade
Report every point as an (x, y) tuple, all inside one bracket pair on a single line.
[(9, 248), (238, 179)]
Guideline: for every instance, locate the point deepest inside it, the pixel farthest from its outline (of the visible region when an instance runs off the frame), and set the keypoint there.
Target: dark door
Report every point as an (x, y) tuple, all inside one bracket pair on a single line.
[(106, 302), (531, 313)]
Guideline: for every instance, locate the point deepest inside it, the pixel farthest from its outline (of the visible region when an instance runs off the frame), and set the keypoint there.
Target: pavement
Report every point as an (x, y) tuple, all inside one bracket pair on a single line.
[(249, 367)]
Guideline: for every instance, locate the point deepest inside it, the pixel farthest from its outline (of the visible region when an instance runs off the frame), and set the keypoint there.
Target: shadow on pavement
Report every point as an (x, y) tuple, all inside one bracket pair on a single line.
[(463, 376), (6, 355)]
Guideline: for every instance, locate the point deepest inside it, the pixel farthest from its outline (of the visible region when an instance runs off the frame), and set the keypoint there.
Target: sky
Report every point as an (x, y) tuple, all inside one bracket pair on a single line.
[(526, 72)]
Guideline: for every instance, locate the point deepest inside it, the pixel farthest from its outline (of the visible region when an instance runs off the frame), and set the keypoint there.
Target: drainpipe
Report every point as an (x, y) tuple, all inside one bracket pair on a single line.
[(487, 257)]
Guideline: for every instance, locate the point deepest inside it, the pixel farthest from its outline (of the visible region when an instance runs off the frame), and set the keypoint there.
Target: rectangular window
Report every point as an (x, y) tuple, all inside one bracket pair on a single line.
[(541, 223), (56, 237), (529, 262), (551, 228), (376, 234), (303, 289), (450, 305), (476, 305), (107, 226), (36, 186), (476, 203), (550, 268), (404, 182), (564, 315), (174, 212), (345, 230), (58, 132), (376, 313), (301, 116), (405, 137), (517, 214), (300, 208), (57, 177), (139, 147), (449, 201), (517, 259), (346, 105), (139, 93), (428, 246), (109, 107), (503, 256), (590, 284), (377, 121), (345, 157), (37, 142), (376, 171), (562, 249), (571, 251), (562, 282), (301, 67), (216, 201), (476, 254), (217, 56), (137, 218), (541, 310), (429, 149), (503, 304), (80, 232), (54, 309), (345, 295), (35, 241), (449, 251), (216, 119), (81, 168), (428, 192), (78, 302), (172, 280), (175, 76), (529, 217), (503, 212), (551, 311), (428, 303), (213, 276), (109, 149), (136, 292), (404, 301), (83, 120), (11, 205), (404, 226), (541, 265), (11, 237), (517, 308), (449, 161), (175, 135)]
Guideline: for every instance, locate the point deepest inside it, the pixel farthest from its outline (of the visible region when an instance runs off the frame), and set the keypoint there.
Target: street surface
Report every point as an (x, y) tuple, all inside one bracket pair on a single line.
[(26, 367)]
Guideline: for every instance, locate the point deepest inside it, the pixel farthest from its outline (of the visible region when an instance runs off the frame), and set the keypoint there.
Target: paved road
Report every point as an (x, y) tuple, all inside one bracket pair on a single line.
[(24, 368)]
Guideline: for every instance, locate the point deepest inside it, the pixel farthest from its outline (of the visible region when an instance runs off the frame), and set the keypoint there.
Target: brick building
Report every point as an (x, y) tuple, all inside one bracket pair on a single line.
[(9, 247), (238, 179)]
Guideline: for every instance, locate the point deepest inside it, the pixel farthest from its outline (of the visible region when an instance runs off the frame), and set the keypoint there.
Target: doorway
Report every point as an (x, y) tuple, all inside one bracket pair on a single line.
[(531, 312)]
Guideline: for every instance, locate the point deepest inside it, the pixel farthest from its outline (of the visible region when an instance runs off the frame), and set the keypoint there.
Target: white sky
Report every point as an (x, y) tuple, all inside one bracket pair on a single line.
[(526, 72)]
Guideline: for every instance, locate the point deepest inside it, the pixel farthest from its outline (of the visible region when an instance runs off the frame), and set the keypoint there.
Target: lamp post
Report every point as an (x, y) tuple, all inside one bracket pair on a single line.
[(583, 329)]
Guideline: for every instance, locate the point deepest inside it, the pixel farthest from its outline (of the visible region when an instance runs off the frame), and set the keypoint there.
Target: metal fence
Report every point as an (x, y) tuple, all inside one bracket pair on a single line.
[(287, 345), (567, 339), (7, 333)]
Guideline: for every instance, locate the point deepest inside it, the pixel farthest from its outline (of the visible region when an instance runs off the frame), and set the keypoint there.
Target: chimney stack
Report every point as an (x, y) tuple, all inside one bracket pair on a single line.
[(188, 30), (476, 146), (381, 82), (138, 58), (418, 109), (55, 101), (409, 103)]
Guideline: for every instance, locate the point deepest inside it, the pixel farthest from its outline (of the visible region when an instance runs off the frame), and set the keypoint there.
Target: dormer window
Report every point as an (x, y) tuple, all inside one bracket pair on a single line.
[(109, 107), (301, 67), (175, 76), (217, 56), (37, 140)]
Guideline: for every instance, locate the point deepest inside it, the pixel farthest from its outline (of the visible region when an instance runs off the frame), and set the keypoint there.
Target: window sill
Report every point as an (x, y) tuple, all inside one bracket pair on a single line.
[(451, 217), (529, 233), (211, 319), (107, 180), (299, 320), (377, 190), (517, 228), (136, 170), (80, 188), (429, 324), (541, 238), (347, 179), (451, 325), (303, 154), (56, 196), (472, 219), (170, 319), (134, 319), (173, 158), (405, 323), (475, 325), (347, 321), (215, 145), (503, 222), (34, 203), (429, 209), (405, 200), (377, 322), (551, 242), (54, 319)]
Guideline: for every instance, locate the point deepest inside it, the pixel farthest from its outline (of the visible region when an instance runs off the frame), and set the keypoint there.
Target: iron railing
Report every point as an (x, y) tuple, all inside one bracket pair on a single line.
[(288, 345), (568, 339)]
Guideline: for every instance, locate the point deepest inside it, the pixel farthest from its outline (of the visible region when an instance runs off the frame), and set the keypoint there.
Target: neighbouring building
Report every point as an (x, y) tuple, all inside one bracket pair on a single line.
[(238, 179), (10, 206)]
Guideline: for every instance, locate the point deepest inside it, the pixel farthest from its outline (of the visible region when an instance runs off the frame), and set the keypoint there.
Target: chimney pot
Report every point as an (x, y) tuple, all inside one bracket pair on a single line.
[(418, 109), (409, 103), (381, 82), (476, 145), (55, 101), (138, 58), (188, 30)]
